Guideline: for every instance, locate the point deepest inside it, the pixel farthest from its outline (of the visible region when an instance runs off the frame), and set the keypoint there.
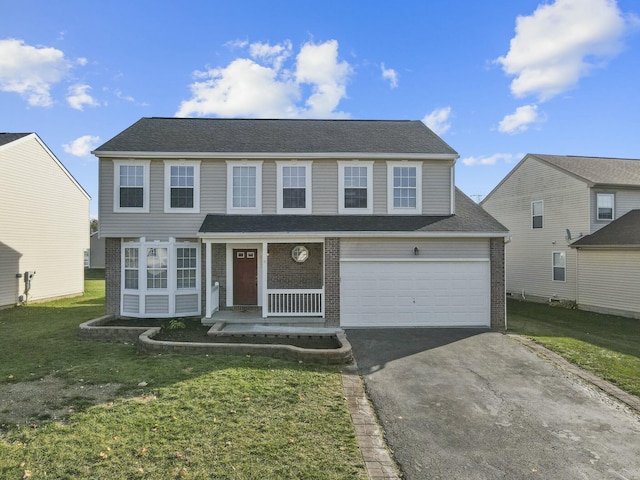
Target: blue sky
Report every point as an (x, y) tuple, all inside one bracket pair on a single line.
[(495, 79)]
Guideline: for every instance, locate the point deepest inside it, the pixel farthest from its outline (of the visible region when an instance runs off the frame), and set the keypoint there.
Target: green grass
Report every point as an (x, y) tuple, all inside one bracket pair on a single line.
[(605, 345), (198, 417)]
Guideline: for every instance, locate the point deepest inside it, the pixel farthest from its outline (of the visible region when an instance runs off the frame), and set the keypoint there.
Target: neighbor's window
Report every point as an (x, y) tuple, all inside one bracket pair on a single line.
[(606, 205), (156, 267), (182, 186), (244, 187), (131, 186), (186, 267), (404, 187), (537, 214), (294, 187), (559, 266), (131, 264), (355, 187)]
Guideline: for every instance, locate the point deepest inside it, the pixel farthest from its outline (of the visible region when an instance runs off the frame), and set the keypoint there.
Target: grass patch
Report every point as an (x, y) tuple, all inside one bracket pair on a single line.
[(605, 345), (172, 416)]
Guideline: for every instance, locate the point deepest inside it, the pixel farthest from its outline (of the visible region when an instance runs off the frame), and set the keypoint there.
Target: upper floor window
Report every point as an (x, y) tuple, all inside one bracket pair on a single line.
[(559, 265), (131, 186), (404, 187), (182, 187), (355, 187), (606, 204), (244, 187), (537, 214), (294, 187)]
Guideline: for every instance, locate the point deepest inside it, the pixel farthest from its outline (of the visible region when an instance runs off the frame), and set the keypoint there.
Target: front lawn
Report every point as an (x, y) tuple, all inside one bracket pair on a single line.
[(605, 345), (72, 408)]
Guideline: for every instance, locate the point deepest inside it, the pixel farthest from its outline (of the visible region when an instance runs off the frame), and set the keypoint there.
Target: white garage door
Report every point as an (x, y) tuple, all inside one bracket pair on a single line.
[(410, 294)]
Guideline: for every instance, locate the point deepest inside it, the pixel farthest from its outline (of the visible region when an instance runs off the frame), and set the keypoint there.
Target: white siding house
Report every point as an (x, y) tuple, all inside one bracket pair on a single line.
[(44, 215), (550, 203)]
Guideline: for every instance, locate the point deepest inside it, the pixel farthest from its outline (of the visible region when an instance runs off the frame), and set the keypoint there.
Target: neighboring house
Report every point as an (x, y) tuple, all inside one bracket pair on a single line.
[(96, 251), (555, 207), (44, 218), (356, 222)]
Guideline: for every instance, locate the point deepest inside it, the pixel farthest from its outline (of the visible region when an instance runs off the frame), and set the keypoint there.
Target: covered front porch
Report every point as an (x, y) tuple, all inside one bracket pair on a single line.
[(275, 282)]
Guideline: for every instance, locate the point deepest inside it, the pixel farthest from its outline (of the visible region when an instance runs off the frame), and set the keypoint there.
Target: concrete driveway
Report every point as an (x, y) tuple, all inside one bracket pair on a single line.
[(475, 404)]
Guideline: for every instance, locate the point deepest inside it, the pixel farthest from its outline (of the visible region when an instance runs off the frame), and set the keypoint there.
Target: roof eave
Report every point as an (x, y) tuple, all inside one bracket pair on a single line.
[(342, 234), (278, 155)]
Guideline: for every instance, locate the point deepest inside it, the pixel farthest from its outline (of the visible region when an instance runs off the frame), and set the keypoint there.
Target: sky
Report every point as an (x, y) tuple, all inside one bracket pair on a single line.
[(495, 79)]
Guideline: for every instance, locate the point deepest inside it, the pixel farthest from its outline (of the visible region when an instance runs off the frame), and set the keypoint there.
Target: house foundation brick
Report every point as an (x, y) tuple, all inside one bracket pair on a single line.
[(112, 275), (332, 282), (498, 292)]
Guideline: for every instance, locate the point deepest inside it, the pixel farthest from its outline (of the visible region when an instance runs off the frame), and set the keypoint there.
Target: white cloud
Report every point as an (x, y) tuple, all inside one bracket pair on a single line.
[(81, 146), (261, 86), (82, 61), (31, 71), (391, 75), (560, 43), (490, 160), (438, 120), (78, 97), (520, 120)]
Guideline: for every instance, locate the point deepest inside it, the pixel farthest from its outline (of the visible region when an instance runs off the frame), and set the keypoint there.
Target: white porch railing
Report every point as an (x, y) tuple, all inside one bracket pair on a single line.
[(295, 303), (214, 305)]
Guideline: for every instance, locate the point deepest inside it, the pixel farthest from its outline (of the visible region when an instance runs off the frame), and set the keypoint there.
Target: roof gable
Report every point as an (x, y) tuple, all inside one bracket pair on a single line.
[(597, 170), (224, 135), (6, 138)]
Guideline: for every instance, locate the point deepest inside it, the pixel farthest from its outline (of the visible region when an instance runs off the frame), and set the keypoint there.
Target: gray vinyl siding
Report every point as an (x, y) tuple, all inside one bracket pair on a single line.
[(529, 254), (44, 224), (624, 200), (398, 248), (610, 280), (156, 224)]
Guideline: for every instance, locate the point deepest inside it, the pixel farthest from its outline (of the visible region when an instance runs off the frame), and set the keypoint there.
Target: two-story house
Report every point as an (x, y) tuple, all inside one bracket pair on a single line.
[(44, 223), (356, 223), (565, 215)]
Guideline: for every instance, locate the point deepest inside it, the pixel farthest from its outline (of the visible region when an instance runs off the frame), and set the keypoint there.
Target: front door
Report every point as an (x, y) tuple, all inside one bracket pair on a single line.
[(245, 276)]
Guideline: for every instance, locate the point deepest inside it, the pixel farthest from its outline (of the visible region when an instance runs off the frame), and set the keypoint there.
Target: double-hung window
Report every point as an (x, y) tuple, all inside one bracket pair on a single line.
[(131, 186), (404, 187), (186, 267), (537, 214), (355, 187), (244, 187), (157, 267), (182, 187), (131, 265), (294, 187), (606, 206), (559, 265)]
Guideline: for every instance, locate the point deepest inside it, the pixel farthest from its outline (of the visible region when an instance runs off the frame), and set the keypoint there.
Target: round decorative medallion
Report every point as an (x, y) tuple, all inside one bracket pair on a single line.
[(300, 253)]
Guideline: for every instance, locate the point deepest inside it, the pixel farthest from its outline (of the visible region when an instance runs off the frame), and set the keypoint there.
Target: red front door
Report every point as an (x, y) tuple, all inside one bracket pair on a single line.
[(245, 276)]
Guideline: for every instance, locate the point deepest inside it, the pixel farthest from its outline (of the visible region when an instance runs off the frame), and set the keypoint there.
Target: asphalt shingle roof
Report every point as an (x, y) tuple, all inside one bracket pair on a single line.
[(624, 231), (469, 217), (597, 170), (224, 135), (11, 137)]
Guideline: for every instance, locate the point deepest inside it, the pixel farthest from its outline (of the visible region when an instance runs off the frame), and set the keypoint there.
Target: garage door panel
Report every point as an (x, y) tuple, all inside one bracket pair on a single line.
[(415, 293)]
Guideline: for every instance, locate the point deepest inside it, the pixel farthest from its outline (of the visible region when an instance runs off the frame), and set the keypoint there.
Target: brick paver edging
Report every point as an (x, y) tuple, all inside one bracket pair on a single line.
[(377, 459), (607, 387)]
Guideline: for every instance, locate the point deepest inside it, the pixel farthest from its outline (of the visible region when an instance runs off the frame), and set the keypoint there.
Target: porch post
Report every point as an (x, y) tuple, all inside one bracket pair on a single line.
[(265, 295), (208, 265)]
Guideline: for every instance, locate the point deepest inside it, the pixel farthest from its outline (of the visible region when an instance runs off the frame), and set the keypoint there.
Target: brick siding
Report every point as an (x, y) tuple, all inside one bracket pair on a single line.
[(112, 275), (498, 293), (332, 282), (284, 272)]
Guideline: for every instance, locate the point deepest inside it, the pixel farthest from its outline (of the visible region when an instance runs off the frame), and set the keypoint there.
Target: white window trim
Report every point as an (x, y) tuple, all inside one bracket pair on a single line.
[(613, 207), (553, 266), (355, 211), (167, 186), (307, 187), (172, 290), (532, 215), (404, 210), (244, 210), (116, 186)]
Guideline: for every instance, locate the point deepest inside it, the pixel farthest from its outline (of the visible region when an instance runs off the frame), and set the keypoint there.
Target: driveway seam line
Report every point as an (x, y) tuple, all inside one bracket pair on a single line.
[(607, 387), (373, 447)]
